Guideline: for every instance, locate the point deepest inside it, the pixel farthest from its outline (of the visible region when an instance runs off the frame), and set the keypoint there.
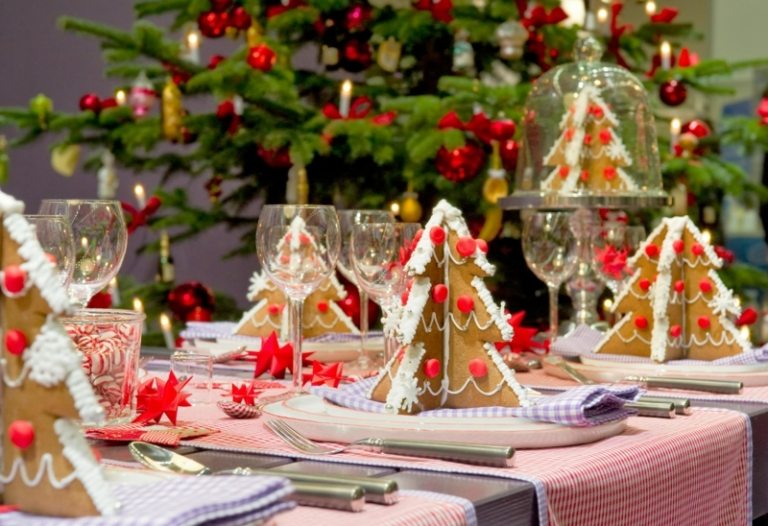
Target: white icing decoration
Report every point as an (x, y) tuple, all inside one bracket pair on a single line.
[(507, 374), (667, 256), (723, 302), (404, 391), (14, 382), (249, 318), (259, 284), (45, 466), (414, 307), (10, 205), (496, 313), (334, 282)]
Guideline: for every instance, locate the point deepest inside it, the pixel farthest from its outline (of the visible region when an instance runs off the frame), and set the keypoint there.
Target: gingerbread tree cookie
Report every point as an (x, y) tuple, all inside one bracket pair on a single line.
[(48, 467), (321, 313), (588, 154), (675, 305), (447, 325)]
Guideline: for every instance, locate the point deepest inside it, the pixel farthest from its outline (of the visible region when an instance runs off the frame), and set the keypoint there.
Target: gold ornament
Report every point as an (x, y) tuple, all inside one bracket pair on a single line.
[(688, 143), (253, 35), (329, 55), (172, 112), (410, 208), (492, 224), (495, 186), (388, 55), (64, 159), (41, 106), (297, 186)]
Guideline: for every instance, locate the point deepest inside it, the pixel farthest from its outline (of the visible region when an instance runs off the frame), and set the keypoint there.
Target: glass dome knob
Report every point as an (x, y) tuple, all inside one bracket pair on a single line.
[(588, 49)]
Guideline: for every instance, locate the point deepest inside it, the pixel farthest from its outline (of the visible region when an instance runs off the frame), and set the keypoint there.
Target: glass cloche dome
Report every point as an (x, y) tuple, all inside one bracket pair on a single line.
[(589, 139)]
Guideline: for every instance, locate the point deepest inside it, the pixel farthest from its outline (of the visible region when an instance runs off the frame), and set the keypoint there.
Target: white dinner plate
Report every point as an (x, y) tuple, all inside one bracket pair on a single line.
[(327, 352), (322, 420), (609, 371)]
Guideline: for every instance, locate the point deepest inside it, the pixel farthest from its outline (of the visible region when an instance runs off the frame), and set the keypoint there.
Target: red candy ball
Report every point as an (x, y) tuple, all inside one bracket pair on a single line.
[(460, 164), (322, 306), (404, 297), (673, 93), (274, 309), (675, 331), (261, 57), (679, 285), (563, 171), (703, 322), (437, 235), (90, 101), (432, 367), (465, 303), (678, 246), (609, 173), (641, 322), (21, 433), (652, 251), (705, 286), (15, 342), (697, 249), (478, 368), (466, 246), (439, 293), (14, 279), (644, 284), (605, 136)]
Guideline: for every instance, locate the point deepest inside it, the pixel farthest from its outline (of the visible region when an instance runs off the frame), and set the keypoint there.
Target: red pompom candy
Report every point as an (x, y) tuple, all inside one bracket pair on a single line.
[(605, 136), (15, 341), (609, 173), (641, 322), (466, 246), (21, 433), (644, 284), (563, 171), (652, 251), (675, 331), (261, 57), (437, 235), (465, 304), (322, 306), (705, 286), (432, 367), (439, 293), (404, 297), (14, 279), (678, 246), (697, 249), (703, 322), (274, 309), (478, 368), (679, 285)]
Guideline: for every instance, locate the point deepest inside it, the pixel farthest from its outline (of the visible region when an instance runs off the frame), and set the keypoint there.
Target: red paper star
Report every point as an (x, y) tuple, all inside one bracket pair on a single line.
[(522, 339), (157, 398), (324, 374), (244, 394), (273, 357), (613, 261)]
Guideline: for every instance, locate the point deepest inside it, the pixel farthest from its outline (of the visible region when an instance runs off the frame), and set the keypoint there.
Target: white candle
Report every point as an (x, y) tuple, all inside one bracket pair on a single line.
[(121, 97), (141, 195), (192, 46), (674, 133), (666, 55), (346, 98), (114, 292), (165, 326), (650, 7), (138, 306), (602, 15)]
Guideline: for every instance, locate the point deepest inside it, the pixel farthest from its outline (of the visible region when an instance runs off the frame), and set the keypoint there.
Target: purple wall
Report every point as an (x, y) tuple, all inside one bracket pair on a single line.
[(38, 57)]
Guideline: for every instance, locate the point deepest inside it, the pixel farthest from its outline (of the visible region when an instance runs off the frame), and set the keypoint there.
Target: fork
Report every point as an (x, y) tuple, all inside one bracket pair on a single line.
[(478, 454)]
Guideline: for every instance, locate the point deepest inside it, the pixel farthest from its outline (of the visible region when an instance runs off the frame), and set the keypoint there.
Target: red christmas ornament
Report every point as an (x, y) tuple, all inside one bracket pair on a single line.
[(184, 298), (225, 109), (100, 300), (652, 251), (437, 235), (762, 110), (697, 249), (509, 152), (675, 331), (90, 101), (432, 367), (705, 286), (199, 314), (439, 293), (220, 5), (357, 54), (478, 368), (15, 342), (502, 129), (679, 286), (322, 306), (21, 433), (466, 246), (279, 158), (678, 246), (703, 322), (261, 57), (14, 279), (213, 24), (641, 322), (240, 18), (673, 93), (109, 102), (357, 17), (157, 398), (215, 60), (697, 127), (465, 303), (644, 284), (460, 164)]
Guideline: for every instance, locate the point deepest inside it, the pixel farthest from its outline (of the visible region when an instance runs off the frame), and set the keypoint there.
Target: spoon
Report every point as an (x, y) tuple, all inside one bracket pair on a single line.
[(317, 494)]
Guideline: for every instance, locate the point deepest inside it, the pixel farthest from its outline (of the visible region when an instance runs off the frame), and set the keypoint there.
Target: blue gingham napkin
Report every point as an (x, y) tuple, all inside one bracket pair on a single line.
[(587, 405), (182, 501), (584, 339)]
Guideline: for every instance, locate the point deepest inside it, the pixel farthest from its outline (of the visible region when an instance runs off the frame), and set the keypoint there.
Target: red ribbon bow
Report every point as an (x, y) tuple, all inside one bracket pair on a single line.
[(139, 217), (480, 125), (441, 9), (324, 374), (244, 394), (157, 398), (617, 31)]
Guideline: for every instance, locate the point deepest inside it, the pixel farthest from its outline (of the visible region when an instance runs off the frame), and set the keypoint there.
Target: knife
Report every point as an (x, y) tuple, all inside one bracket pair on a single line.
[(477, 454), (655, 409), (682, 405), (693, 384)]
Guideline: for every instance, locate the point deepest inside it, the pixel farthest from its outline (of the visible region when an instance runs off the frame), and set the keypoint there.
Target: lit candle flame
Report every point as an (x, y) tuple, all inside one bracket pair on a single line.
[(666, 55), (138, 306), (193, 39), (394, 207), (84, 242), (141, 195), (346, 98), (674, 132), (607, 305), (602, 15), (707, 236), (165, 322), (650, 7), (121, 97)]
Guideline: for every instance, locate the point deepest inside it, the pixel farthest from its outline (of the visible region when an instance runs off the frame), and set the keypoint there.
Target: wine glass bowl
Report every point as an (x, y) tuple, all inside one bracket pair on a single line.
[(100, 242), (55, 237)]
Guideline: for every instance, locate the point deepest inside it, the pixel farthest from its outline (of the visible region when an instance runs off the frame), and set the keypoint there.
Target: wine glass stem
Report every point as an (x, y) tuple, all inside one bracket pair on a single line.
[(295, 323), (553, 321), (363, 321)]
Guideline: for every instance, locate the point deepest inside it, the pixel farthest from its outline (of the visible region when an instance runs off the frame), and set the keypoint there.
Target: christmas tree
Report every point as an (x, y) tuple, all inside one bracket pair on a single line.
[(675, 305), (448, 325)]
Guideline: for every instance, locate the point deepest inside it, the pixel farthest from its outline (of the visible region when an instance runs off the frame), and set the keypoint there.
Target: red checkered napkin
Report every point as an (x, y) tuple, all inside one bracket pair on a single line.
[(165, 435)]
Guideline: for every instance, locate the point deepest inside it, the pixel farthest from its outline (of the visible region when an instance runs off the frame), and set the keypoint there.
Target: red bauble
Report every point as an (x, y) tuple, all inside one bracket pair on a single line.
[(220, 5), (185, 298), (280, 158), (697, 127), (357, 53), (213, 24), (225, 110), (240, 18), (21, 433), (351, 306), (502, 129), (509, 151), (357, 16), (460, 164), (261, 57), (673, 93), (100, 300), (199, 314), (90, 101), (109, 102)]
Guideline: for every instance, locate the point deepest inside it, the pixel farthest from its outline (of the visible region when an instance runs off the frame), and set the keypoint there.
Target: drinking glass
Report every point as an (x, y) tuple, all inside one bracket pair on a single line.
[(550, 250), (297, 246), (101, 239), (347, 219), (379, 253), (55, 237), (612, 244), (199, 366)]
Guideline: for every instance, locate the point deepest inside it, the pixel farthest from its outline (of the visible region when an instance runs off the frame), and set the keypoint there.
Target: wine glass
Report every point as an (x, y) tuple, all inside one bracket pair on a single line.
[(55, 237), (347, 219), (613, 243), (297, 246), (550, 250), (100, 239), (379, 253)]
